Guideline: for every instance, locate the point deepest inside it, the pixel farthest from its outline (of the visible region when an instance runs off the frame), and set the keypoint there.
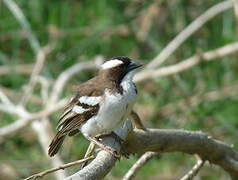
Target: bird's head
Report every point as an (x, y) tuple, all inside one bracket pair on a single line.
[(119, 68)]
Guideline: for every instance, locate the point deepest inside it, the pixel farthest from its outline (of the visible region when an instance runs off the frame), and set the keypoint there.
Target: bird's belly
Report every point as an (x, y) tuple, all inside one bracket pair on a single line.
[(112, 113)]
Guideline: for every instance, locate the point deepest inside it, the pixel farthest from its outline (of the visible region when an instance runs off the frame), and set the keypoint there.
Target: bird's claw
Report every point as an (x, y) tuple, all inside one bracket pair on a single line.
[(113, 152)]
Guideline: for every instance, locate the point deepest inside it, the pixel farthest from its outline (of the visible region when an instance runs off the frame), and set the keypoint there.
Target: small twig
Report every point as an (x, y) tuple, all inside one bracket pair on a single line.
[(228, 91), (88, 153), (19, 69), (43, 129), (194, 171), (35, 99), (188, 63), (236, 10), (40, 60), (146, 19), (44, 88), (44, 132), (138, 165), (5, 100), (68, 73), (17, 12), (27, 118), (42, 174), (188, 31), (6, 105)]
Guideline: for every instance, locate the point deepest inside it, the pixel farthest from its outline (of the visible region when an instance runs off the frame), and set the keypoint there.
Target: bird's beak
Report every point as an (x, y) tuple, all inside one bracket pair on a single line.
[(134, 65)]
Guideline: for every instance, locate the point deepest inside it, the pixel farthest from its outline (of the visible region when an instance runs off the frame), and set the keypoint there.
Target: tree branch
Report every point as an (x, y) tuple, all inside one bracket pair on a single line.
[(188, 63), (138, 165), (27, 118), (43, 130), (189, 142), (19, 69), (194, 171), (236, 10), (162, 141), (188, 31), (52, 105), (68, 73), (5, 100), (194, 100), (17, 12), (42, 174), (40, 60), (104, 161)]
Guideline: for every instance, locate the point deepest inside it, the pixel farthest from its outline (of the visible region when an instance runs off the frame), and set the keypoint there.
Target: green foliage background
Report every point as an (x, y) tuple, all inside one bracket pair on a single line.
[(85, 29)]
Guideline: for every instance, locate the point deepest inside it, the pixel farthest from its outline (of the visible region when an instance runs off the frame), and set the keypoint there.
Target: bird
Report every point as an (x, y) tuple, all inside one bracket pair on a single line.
[(101, 104)]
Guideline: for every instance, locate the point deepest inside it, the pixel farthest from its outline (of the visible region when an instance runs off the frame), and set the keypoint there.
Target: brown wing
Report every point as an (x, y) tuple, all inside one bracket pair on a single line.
[(70, 120)]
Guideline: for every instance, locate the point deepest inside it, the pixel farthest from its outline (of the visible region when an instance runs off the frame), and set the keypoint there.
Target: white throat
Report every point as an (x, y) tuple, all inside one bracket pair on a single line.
[(129, 76), (127, 83)]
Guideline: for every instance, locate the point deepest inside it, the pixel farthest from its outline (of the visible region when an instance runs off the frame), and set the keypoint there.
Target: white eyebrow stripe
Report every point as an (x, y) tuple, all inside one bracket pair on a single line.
[(111, 63), (79, 109), (90, 100)]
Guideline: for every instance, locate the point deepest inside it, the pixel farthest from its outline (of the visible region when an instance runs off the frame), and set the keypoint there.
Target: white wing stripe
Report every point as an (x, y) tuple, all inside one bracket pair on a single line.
[(79, 109), (90, 100)]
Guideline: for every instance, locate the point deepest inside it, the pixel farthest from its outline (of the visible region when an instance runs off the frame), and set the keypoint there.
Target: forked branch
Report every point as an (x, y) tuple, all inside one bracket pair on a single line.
[(162, 141)]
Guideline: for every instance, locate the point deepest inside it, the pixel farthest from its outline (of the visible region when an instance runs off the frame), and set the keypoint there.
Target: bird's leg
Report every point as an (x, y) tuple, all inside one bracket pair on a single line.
[(102, 146), (112, 134), (137, 121), (118, 139), (88, 153)]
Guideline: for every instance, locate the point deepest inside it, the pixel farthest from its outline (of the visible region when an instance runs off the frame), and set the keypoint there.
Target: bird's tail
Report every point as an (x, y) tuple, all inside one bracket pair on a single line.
[(56, 144)]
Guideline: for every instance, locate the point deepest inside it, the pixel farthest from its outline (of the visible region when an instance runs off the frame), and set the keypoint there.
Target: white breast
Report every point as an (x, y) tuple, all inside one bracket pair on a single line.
[(114, 110)]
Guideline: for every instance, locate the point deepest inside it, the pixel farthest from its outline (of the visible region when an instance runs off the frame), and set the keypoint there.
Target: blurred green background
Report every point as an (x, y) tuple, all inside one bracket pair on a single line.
[(84, 29)]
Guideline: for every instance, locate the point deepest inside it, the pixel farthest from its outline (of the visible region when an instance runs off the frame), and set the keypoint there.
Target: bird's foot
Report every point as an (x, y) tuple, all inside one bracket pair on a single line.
[(104, 147), (118, 138), (110, 150), (125, 153), (114, 135)]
